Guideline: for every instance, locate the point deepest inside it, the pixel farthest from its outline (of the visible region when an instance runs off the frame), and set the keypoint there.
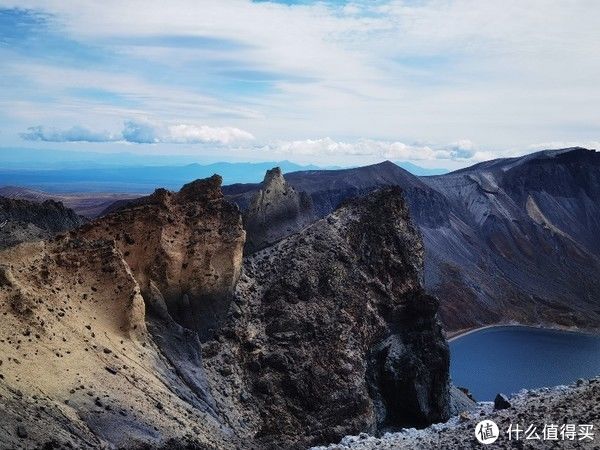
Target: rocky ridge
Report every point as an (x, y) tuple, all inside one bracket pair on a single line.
[(93, 354), (25, 221), (512, 240), (331, 330), (145, 329), (86, 204), (183, 248)]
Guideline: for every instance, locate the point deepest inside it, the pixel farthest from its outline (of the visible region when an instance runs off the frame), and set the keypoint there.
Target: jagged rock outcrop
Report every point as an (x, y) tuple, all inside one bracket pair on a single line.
[(187, 245), (331, 331), (276, 211), (24, 221)]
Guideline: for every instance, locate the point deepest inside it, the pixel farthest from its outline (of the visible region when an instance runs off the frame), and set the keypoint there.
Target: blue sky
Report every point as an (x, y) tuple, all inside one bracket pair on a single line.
[(441, 83)]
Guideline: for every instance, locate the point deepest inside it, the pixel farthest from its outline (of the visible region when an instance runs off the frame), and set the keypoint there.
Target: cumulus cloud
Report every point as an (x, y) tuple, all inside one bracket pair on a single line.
[(140, 132), (73, 134), (192, 134), (463, 150), (143, 132)]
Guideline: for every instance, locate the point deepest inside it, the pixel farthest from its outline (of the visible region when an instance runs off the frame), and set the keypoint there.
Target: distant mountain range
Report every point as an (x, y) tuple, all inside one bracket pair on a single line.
[(64, 171), (138, 179)]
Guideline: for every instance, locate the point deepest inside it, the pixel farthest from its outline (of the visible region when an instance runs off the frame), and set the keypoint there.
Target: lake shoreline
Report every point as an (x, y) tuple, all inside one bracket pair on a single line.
[(510, 358), (465, 332)]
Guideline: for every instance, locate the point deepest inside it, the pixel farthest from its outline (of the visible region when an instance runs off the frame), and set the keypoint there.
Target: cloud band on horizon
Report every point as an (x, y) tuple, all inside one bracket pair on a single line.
[(142, 132), (148, 132)]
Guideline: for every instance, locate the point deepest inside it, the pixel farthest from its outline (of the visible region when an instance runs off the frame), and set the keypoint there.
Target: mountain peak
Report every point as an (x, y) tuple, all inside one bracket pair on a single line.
[(273, 176), (276, 210), (387, 164), (206, 188)]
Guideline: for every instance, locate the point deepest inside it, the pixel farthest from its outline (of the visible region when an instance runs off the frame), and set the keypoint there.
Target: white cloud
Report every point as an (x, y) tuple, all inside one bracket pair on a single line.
[(192, 134), (374, 149), (73, 134), (143, 132)]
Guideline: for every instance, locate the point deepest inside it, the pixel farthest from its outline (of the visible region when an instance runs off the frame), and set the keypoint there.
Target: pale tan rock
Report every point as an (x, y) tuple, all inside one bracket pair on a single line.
[(78, 366), (188, 245)]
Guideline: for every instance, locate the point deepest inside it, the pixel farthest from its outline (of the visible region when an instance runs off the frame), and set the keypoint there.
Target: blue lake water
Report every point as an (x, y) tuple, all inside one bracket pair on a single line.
[(508, 359)]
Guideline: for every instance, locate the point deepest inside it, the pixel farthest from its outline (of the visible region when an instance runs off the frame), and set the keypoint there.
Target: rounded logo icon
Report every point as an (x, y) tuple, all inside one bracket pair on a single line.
[(487, 432)]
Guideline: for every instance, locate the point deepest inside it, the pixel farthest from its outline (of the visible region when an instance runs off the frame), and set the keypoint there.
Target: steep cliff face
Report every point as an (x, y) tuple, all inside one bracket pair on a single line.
[(521, 241), (276, 211), (186, 245), (331, 331), (24, 221)]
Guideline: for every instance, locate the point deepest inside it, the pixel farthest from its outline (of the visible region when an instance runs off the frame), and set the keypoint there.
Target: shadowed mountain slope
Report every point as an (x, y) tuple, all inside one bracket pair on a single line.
[(23, 220), (520, 241)]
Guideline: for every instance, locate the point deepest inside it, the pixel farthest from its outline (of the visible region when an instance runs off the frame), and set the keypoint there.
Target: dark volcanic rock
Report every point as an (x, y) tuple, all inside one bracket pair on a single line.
[(522, 243), (329, 188), (501, 402), (23, 220), (336, 334), (276, 211)]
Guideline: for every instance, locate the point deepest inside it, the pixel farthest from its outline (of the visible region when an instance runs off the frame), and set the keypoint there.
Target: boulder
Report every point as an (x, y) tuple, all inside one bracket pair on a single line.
[(501, 402)]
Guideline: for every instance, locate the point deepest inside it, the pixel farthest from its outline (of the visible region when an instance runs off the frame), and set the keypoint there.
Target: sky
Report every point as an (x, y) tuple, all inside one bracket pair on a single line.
[(440, 83)]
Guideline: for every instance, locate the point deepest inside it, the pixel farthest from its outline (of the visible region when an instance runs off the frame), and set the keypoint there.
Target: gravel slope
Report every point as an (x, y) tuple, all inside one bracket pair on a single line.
[(578, 404)]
